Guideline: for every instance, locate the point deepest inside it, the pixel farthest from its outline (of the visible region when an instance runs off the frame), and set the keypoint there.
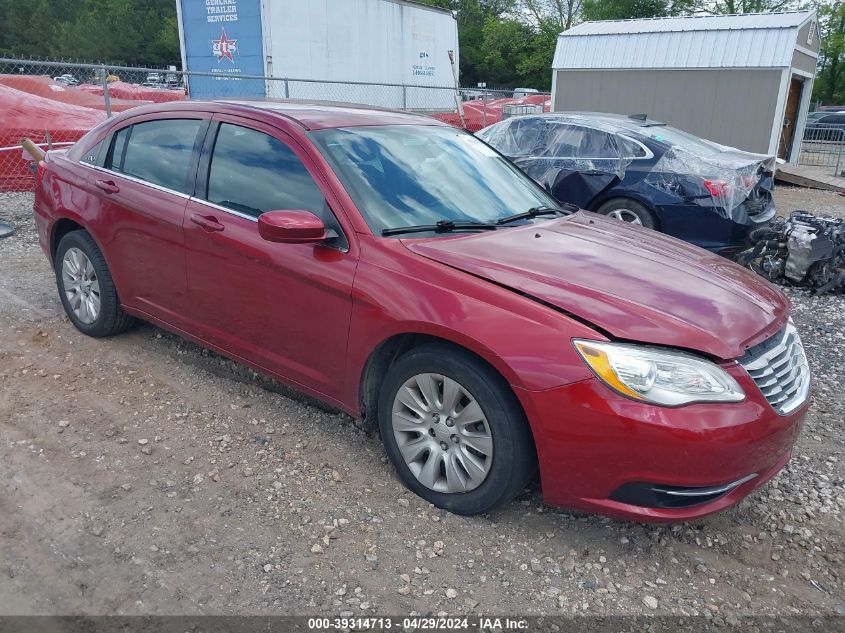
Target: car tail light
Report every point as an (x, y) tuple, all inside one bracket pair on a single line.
[(717, 188)]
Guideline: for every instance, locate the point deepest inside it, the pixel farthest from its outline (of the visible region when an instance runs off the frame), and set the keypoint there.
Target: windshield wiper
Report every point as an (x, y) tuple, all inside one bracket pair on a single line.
[(534, 212), (443, 226)]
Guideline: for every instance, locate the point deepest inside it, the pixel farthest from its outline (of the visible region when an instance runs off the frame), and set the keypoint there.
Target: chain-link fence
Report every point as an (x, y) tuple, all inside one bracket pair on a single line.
[(822, 146), (55, 103)]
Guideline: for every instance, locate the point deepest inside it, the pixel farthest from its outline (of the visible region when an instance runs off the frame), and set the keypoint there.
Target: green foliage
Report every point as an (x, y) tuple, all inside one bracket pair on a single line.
[(134, 32), (829, 87), (624, 9)]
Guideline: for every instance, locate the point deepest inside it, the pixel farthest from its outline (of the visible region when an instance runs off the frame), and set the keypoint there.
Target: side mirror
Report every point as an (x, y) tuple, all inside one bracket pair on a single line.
[(291, 227)]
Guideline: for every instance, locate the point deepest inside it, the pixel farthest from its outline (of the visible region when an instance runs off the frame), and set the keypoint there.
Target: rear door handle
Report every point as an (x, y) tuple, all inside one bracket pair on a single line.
[(107, 185), (207, 222)]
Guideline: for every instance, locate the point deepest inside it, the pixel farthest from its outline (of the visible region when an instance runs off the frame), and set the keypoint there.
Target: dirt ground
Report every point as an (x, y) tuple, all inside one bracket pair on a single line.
[(144, 475)]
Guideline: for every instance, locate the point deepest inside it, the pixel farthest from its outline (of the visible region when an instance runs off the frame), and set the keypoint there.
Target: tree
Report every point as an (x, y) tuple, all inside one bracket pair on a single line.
[(631, 9), (750, 6), (142, 32), (560, 14), (830, 79)]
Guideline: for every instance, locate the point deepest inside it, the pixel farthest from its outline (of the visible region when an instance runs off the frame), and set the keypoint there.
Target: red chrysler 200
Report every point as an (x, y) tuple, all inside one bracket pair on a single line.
[(403, 271)]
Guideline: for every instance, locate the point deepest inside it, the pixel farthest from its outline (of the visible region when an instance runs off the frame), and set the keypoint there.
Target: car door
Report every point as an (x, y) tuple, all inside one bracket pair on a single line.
[(577, 162), (285, 307), (142, 190)]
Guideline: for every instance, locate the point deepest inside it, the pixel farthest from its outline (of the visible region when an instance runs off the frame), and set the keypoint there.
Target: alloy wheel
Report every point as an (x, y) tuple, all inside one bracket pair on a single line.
[(81, 285), (626, 215), (442, 433)]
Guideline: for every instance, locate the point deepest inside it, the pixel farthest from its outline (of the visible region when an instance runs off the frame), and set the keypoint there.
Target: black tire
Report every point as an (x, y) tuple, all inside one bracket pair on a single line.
[(514, 460), (645, 216), (111, 318)]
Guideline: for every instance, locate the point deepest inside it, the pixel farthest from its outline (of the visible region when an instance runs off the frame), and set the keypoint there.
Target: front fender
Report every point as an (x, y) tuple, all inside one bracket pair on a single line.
[(526, 341)]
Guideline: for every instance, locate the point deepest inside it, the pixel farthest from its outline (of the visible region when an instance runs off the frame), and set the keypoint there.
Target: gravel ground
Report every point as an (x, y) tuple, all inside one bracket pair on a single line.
[(143, 474), (816, 201)]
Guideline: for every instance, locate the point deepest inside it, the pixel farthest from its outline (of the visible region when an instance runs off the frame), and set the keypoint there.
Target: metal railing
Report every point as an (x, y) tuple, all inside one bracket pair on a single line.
[(822, 146), (55, 102)]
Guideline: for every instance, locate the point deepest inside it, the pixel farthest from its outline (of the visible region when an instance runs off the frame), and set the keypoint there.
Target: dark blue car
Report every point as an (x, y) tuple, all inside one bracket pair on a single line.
[(645, 172)]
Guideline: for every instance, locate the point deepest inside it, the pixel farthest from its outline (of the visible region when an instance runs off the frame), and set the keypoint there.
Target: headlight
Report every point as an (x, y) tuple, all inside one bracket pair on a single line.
[(658, 376)]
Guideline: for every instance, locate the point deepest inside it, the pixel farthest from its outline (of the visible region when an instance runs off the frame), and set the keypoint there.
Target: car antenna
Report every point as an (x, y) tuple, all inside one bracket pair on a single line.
[(638, 117)]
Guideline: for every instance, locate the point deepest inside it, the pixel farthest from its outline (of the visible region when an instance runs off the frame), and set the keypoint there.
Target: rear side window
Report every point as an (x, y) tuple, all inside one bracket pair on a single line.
[(629, 148), (118, 147), (157, 152), (252, 172), (599, 144)]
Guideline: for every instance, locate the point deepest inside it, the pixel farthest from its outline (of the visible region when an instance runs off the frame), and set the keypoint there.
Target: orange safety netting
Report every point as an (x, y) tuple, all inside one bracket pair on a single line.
[(45, 87), (34, 116), (474, 111), (123, 90)]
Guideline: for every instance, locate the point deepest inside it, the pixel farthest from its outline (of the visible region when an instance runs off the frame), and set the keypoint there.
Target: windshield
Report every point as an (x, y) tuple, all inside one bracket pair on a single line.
[(407, 175)]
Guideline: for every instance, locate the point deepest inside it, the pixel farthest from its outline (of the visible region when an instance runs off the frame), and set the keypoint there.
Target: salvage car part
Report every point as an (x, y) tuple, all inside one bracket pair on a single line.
[(801, 250)]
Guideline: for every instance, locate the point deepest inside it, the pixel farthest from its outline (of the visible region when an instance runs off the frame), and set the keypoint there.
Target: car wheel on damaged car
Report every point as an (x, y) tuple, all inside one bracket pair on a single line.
[(401, 270), (642, 171)]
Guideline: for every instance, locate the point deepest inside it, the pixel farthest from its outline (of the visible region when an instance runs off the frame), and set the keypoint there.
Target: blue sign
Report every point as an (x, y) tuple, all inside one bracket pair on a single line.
[(224, 38)]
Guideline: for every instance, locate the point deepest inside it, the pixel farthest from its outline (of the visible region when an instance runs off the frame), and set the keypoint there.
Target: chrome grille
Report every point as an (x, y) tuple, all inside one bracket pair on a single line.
[(779, 367)]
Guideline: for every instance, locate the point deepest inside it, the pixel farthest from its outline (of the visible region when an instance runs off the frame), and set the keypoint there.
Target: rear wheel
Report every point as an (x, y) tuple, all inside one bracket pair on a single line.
[(86, 287), (629, 211), (454, 430)]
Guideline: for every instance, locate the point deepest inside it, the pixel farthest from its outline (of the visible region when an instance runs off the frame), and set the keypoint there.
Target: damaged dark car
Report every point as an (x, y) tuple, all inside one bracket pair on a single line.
[(645, 172)]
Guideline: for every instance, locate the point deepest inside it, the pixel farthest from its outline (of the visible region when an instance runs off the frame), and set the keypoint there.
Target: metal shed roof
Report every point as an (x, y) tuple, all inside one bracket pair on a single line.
[(755, 40)]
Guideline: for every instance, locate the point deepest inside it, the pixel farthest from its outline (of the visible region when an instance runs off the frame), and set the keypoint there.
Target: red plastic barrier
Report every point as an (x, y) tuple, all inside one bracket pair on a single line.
[(474, 111), (30, 115), (45, 87), (122, 90)]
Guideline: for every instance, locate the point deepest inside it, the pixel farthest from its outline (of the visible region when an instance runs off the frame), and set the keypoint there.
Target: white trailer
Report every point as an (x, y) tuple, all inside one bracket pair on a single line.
[(326, 49)]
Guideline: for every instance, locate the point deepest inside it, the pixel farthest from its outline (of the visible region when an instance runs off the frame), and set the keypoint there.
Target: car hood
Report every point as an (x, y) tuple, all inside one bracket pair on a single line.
[(632, 283)]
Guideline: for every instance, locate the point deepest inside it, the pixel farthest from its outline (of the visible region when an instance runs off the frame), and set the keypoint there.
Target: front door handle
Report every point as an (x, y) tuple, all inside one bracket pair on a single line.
[(207, 222), (107, 185)]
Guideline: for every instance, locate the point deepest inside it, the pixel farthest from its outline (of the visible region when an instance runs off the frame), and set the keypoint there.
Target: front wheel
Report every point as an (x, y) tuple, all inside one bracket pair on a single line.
[(454, 430), (629, 211)]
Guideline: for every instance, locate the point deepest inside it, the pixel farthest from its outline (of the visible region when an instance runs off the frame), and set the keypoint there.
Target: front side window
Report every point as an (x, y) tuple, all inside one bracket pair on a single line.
[(252, 172), (419, 174), (158, 152)]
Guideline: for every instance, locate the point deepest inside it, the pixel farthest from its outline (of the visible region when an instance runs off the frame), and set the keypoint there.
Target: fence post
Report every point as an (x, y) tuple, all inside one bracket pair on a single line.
[(404, 97), (106, 92), (839, 153), (287, 90)]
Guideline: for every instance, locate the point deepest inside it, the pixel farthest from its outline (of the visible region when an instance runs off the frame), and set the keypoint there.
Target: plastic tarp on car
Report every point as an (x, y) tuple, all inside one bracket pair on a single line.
[(45, 87), (573, 161), (33, 116), (729, 175)]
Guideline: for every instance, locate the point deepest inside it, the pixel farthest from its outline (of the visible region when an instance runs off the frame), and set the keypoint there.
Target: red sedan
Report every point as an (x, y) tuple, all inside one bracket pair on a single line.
[(404, 272)]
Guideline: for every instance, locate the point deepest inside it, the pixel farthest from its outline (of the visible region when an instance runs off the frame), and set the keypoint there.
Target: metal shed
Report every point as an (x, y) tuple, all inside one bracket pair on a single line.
[(740, 80)]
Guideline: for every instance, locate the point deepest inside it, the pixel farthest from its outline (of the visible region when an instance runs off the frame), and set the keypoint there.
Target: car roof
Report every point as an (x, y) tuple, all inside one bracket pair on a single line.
[(632, 122), (311, 115)]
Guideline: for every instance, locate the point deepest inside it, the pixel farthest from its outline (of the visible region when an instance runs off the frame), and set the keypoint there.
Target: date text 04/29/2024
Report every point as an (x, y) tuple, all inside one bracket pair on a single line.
[(417, 623)]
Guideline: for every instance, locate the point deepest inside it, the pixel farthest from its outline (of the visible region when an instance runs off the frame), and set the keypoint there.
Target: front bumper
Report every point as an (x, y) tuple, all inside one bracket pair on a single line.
[(592, 443)]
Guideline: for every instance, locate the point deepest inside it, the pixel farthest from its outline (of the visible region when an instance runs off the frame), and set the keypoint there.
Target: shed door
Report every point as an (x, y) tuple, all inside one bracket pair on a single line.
[(793, 102)]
